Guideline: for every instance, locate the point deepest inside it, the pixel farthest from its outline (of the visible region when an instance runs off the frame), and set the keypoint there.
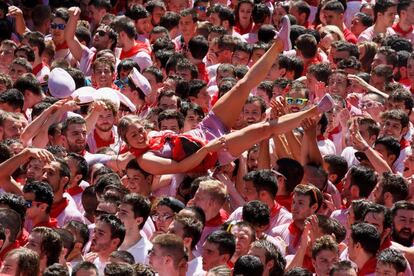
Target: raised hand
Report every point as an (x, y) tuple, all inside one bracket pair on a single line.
[(15, 12), (74, 12), (41, 154)]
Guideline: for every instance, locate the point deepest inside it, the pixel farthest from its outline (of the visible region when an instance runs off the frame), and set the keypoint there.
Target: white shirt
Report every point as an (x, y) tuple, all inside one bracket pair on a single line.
[(326, 147), (140, 250), (195, 266)]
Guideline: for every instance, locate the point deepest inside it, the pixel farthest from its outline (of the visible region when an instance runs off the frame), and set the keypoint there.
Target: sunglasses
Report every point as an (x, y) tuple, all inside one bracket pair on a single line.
[(101, 32), (298, 101), (57, 26), (201, 8)]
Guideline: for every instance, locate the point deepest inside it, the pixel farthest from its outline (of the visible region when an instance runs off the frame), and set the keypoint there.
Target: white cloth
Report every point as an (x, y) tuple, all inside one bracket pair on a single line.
[(140, 250)]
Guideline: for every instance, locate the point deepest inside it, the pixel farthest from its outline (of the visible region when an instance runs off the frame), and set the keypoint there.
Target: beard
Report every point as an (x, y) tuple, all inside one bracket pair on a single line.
[(76, 148), (405, 241), (104, 128)]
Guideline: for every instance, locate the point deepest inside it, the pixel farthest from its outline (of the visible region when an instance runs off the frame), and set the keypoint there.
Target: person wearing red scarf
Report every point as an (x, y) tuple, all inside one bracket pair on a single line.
[(57, 175), (404, 27), (262, 185), (380, 217), (11, 224), (39, 200), (364, 244), (306, 201)]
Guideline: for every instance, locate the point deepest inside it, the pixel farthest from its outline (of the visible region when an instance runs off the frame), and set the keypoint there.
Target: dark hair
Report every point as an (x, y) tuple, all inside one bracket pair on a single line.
[(198, 46), (80, 228), (81, 165), (263, 180), (402, 95), (391, 144), (84, 265), (51, 244), (124, 255), (101, 4), (307, 45), (116, 225), (124, 24), (36, 39), (393, 258), (381, 6), (313, 192), (192, 228), (170, 20), (28, 82), (292, 170), (171, 114), (256, 213), (367, 236), (71, 120), (324, 243), (380, 209), (13, 97), (248, 265), (68, 240), (10, 220), (364, 178), (259, 100), (14, 202), (56, 270), (337, 165), (225, 241), (141, 206), (396, 185), (137, 12), (365, 19), (42, 191)]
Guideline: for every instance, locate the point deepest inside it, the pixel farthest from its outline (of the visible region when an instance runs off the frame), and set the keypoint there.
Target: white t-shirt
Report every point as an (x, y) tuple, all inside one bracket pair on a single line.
[(140, 250), (195, 266)]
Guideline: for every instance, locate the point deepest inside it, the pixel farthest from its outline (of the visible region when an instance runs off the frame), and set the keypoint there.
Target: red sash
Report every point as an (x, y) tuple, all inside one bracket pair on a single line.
[(397, 28), (38, 68), (333, 132), (404, 144), (100, 143), (275, 209), (285, 201), (62, 46), (296, 233), (52, 223), (369, 267), (218, 220), (75, 190), (58, 208), (138, 47)]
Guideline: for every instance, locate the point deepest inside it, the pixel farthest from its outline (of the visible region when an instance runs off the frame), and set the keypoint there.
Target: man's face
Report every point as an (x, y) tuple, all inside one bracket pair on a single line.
[(243, 239), (34, 170), (191, 120), (143, 25), (176, 228), (168, 103), (76, 138), (373, 107), (184, 73), (388, 16), (256, 54), (389, 158), (337, 85), (126, 215), (101, 38), (12, 128), (376, 219), (95, 14), (252, 113), (378, 60), (403, 227), (202, 200), (324, 261), (34, 211), (356, 26), (301, 207), (240, 58), (105, 121), (250, 192), (215, 19), (156, 15), (392, 128), (101, 237), (156, 258), (102, 76), (275, 72), (10, 265), (337, 56), (170, 124), (211, 256), (52, 175), (35, 243), (16, 70), (6, 58), (187, 26), (333, 18), (383, 269), (137, 182)]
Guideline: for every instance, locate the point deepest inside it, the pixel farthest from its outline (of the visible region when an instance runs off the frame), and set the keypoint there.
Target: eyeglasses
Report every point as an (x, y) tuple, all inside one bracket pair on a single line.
[(162, 218), (57, 26), (298, 101), (101, 32), (201, 8)]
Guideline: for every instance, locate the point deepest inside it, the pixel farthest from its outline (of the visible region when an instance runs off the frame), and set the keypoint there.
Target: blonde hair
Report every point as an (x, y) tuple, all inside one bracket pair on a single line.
[(216, 190)]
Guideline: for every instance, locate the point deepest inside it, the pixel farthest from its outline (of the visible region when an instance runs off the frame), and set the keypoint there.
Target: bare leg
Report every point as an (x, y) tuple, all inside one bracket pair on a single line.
[(239, 141), (229, 106)]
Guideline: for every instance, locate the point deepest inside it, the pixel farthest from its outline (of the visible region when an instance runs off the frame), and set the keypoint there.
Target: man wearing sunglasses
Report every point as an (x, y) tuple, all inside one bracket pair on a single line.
[(39, 199)]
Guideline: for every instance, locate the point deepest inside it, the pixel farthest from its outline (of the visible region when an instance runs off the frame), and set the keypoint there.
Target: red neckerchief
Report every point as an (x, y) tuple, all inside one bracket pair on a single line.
[(24, 237), (296, 233), (75, 190), (58, 208), (218, 220), (334, 131), (320, 138), (307, 263), (397, 28), (62, 46), (308, 25), (100, 143), (404, 144), (369, 267), (315, 60), (51, 223), (230, 264), (405, 82), (349, 36), (238, 28), (202, 72), (9, 248), (138, 47), (275, 209), (38, 68), (285, 201), (386, 244), (83, 152)]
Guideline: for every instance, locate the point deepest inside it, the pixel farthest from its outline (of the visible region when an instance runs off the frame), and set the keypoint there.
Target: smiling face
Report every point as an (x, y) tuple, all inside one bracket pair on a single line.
[(136, 136)]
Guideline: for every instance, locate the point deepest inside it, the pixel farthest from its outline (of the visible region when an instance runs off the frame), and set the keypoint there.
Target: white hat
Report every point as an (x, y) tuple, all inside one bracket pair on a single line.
[(84, 95), (140, 81), (107, 93), (60, 83), (126, 101)]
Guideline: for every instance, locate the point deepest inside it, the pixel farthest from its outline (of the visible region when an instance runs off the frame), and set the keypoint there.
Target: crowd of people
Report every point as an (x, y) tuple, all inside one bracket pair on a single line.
[(206, 137)]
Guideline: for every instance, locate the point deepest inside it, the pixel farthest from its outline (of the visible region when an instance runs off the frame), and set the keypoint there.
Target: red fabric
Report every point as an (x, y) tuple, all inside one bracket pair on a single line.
[(178, 149), (38, 68), (404, 144), (307, 263), (406, 82), (75, 190), (317, 59), (62, 46), (52, 223), (386, 244), (218, 220), (275, 209), (397, 28), (24, 237), (333, 132), (296, 233), (138, 47), (202, 72), (9, 248), (238, 28), (285, 201), (214, 98), (369, 267), (82, 153), (320, 138), (349, 36), (58, 208), (100, 143)]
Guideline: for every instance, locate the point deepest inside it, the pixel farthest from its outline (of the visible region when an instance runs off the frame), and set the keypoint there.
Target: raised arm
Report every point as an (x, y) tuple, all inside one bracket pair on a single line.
[(311, 152), (17, 14), (74, 45), (367, 86)]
